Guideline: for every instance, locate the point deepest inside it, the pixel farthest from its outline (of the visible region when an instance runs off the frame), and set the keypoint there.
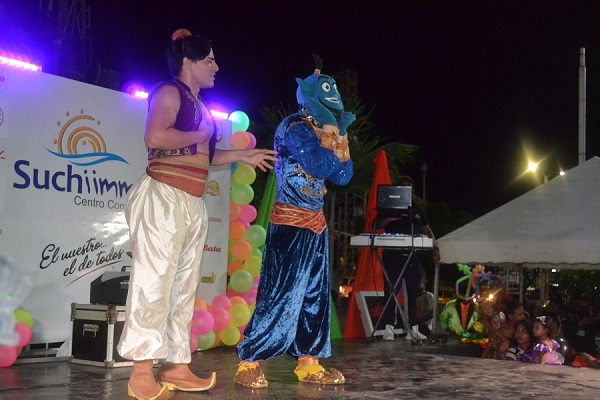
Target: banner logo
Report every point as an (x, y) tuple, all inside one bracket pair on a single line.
[(81, 144)]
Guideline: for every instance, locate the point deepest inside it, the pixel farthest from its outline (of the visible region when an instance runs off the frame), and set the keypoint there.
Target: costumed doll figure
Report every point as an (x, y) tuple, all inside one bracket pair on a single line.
[(292, 313)]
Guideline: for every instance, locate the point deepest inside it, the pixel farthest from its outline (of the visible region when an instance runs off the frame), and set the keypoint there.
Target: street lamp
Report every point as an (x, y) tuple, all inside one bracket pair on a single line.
[(533, 167)]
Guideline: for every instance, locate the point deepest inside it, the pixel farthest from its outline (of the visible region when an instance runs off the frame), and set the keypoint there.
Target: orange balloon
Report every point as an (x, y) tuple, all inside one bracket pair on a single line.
[(200, 304), (217, 339), (238, 300), (234, 266), (240, 140), (20, 349), (241, 249), (236, 230), (234, 211)]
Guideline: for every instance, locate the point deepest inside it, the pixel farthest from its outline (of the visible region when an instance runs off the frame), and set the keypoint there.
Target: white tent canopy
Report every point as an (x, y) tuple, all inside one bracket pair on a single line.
[(555, 225)]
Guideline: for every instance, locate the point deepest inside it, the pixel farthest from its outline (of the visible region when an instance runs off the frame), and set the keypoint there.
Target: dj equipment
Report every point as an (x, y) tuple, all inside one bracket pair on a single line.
[(410, 243), (391, 241)]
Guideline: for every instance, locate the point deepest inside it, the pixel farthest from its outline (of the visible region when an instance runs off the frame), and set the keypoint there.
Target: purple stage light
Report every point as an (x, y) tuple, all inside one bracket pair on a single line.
[(17, 61)]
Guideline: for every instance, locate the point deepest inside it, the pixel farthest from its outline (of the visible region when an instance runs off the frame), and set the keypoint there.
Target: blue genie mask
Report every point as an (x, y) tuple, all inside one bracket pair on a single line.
[(319, 97)]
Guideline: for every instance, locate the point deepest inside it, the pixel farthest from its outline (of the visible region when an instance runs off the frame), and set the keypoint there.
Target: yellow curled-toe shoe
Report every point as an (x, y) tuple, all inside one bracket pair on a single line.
[(142, 384), (179, 377), (319, 375), (250, 376)]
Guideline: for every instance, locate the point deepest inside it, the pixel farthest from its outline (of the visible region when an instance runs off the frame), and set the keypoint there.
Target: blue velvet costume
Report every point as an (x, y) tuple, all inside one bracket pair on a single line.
[(292, 313)]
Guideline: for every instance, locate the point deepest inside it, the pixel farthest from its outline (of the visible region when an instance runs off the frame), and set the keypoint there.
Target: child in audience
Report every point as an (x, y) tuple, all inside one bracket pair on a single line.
[(545, 329), (523, 342), (498, 343)]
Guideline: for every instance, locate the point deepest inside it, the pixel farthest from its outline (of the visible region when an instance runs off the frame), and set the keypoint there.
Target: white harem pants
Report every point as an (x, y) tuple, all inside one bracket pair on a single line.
[(167, 230)]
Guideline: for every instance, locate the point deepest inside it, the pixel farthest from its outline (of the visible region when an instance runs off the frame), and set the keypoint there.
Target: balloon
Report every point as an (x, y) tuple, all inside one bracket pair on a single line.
[(251, 308), (231, 294), (26, 318), (237, 300), (252, 264), (221, 317), (217, 339), (233, 168), (240, 140), (239, 314), (193, 343), (256, 235), (241, 281), (242, 194), (206, 341), (250, 296), (241, 249), (247, 213), (230, 335), (244, 174), (232, 267), (24, 332), (236, 230), (239, 120), (200, 304), (234, 211), (202, 322), (256, 252), (8, 355), (221, 301), (252, 140)]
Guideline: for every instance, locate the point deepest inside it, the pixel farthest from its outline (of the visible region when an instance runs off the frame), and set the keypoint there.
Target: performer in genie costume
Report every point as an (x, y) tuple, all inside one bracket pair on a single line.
[(292, 312)]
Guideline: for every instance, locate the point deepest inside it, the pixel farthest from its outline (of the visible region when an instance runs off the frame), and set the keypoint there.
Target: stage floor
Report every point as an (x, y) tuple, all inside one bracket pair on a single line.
[(376, 370)]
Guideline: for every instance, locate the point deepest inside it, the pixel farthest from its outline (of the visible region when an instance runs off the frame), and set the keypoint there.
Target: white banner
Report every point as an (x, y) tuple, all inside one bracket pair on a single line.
[(69, 152)]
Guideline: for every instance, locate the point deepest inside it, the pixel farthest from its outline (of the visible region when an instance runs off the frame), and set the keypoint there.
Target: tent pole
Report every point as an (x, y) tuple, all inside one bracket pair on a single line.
[(521, 283), (436, 284)]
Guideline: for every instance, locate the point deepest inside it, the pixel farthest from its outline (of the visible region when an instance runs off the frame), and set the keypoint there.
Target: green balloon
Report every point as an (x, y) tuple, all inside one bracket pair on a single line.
[(241, 281), (244, 174), (255, 235), (207, 340), (242, 194), (24, 317)]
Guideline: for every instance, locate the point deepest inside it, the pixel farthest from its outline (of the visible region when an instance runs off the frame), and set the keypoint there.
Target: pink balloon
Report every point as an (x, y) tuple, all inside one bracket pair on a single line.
[(202, 322), (250, 296), (221, 317), (8, 355), (232, 293), (252, 139), (24, 332), (193, 343), (221, 301), (247, 213)]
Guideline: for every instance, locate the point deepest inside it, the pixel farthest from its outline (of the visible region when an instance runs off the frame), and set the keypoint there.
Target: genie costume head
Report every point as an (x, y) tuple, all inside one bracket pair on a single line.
[(318, 96)]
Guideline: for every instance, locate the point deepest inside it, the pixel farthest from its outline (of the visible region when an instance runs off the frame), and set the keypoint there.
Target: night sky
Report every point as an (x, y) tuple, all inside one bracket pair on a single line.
[(472, 84)]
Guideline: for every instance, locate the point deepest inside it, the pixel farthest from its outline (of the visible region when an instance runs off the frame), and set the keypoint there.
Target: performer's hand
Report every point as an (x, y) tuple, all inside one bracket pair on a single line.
[(260, 157), (345, 121)]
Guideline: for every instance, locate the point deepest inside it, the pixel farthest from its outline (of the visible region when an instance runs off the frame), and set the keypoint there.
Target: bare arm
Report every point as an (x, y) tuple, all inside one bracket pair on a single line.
[(162, 114), (254, 157), (426, 230)]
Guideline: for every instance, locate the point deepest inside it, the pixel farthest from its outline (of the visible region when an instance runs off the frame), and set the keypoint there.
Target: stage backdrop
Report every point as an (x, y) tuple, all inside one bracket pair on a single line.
[(69, 153)]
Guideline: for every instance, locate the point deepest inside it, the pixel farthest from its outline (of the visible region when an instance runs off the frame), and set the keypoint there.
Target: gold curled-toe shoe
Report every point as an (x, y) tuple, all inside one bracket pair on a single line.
[(162, 395), (250, 377), (319, 375)]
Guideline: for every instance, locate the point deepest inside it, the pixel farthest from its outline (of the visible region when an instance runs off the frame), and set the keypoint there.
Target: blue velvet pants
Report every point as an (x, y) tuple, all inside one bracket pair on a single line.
[(292, 313)]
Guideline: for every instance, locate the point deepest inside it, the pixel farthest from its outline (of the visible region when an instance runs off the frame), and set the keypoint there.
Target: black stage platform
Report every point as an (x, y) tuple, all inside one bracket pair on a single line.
[(376, 370)]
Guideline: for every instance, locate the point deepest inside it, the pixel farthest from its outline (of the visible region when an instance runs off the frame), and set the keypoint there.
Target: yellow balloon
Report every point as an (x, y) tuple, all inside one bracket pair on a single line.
[(230, 335)]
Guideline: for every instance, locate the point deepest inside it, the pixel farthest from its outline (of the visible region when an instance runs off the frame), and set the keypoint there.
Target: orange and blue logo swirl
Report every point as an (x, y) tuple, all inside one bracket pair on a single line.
[(81, 144)]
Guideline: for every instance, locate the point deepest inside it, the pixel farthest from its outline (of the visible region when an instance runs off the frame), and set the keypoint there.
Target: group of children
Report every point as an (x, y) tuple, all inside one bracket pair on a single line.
[(515, 337)]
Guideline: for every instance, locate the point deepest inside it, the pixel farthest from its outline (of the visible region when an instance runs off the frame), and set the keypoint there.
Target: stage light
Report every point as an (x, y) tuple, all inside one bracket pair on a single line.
[(17, 61), (219, 114)]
